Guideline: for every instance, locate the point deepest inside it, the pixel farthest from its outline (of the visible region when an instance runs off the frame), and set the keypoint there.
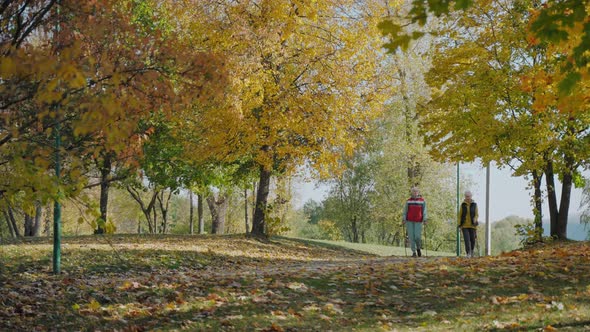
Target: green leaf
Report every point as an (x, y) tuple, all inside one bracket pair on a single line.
[(439, 7), (417, 35), (569, 82), (463, 4), (387, 27), (579, 181), (419, 12)]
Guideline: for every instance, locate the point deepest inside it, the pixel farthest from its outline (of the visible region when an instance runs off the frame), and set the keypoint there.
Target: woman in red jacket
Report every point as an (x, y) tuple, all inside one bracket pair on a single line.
[(414, 217)]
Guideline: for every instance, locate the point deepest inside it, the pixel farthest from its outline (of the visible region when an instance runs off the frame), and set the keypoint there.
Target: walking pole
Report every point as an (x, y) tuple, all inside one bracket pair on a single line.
[(460, 233), (405, 237), (425, 242), (476, 243)]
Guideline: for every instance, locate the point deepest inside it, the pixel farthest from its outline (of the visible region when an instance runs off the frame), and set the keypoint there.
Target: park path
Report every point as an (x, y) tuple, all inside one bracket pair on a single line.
[(313, 267)]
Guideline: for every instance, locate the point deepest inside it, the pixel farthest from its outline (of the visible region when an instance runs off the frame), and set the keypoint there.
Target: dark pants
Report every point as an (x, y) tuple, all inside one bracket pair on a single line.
[(469, 237)]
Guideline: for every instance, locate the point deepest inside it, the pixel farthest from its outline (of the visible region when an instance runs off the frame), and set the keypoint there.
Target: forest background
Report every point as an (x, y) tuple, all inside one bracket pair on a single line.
[(169, 120)]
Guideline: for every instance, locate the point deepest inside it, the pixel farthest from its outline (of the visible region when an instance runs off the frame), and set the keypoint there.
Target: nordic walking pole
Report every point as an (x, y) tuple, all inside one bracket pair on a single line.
[(460, 233), (476, 243), (404, 230), (425, 242)]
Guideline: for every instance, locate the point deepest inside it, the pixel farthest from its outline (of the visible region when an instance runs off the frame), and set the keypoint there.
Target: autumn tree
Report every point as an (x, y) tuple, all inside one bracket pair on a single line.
[(305, 84), (476, 78), (552, 22), (23, 163), (495, 97), (92, 71)]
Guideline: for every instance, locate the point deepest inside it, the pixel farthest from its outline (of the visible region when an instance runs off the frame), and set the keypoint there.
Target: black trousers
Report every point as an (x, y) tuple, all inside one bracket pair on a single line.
[(469, 238)]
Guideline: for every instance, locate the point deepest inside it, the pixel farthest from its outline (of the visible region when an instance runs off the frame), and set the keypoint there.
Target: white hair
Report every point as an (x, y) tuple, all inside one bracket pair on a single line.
[(468, 193)]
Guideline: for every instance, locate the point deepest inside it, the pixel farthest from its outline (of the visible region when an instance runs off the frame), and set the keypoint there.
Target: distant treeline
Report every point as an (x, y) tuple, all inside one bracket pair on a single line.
[(575, 230)]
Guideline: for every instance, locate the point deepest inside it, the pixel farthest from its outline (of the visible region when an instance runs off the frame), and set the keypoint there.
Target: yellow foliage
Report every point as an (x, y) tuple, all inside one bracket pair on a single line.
[(7, 67), (94, 305), (287, 102)]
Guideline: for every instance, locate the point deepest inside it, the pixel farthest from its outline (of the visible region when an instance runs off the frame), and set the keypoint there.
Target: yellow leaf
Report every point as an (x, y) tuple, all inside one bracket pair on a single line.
[(7, 66), (94, 305), (359, 308), (126, 285)]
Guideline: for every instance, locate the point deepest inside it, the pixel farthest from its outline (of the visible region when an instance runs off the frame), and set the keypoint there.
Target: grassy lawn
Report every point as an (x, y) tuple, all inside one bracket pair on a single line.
[(377, 249), (234, 283)]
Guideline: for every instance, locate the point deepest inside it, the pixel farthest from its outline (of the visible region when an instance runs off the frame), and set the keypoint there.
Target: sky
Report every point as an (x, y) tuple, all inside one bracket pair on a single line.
[(508, 194)]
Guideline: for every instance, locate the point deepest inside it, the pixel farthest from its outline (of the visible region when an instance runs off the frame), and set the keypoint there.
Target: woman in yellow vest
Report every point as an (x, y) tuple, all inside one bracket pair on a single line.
[(468, 221)]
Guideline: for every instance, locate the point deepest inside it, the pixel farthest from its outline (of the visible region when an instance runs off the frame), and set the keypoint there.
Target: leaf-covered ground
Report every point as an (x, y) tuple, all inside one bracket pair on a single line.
[(233, 283)]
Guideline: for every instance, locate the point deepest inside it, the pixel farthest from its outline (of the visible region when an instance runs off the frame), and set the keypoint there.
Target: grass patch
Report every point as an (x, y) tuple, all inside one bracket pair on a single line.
[(374, 249)]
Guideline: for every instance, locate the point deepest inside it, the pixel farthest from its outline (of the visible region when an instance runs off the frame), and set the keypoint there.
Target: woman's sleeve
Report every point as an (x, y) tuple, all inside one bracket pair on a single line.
[(405, 211)]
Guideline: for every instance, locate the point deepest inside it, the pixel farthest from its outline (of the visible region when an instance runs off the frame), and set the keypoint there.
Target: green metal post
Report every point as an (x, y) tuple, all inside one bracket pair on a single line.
[(458, 231), (57, 207), (57, 204)]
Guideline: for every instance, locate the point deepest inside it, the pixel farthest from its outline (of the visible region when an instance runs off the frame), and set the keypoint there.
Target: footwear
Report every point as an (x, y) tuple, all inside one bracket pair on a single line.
[(414, 254), (419, 253)]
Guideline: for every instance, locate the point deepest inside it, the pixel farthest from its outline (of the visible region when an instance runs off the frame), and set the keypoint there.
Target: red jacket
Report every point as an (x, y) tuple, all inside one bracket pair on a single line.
[(415, 209)]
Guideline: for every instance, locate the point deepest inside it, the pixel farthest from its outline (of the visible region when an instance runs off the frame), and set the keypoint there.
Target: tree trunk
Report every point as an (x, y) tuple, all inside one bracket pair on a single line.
[(9, 223), (538, 202), (146, 209), (38, 217), (47, 222), (105, 173), (246, 210), (551, 198), (218, 207), (564, 205), (190, 215), (258, 222), (559, 215), (155, 218), (253, 207), (12, 220), (28, 225), (33, 223), (164, 203), (355, 232), (200, 214)]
